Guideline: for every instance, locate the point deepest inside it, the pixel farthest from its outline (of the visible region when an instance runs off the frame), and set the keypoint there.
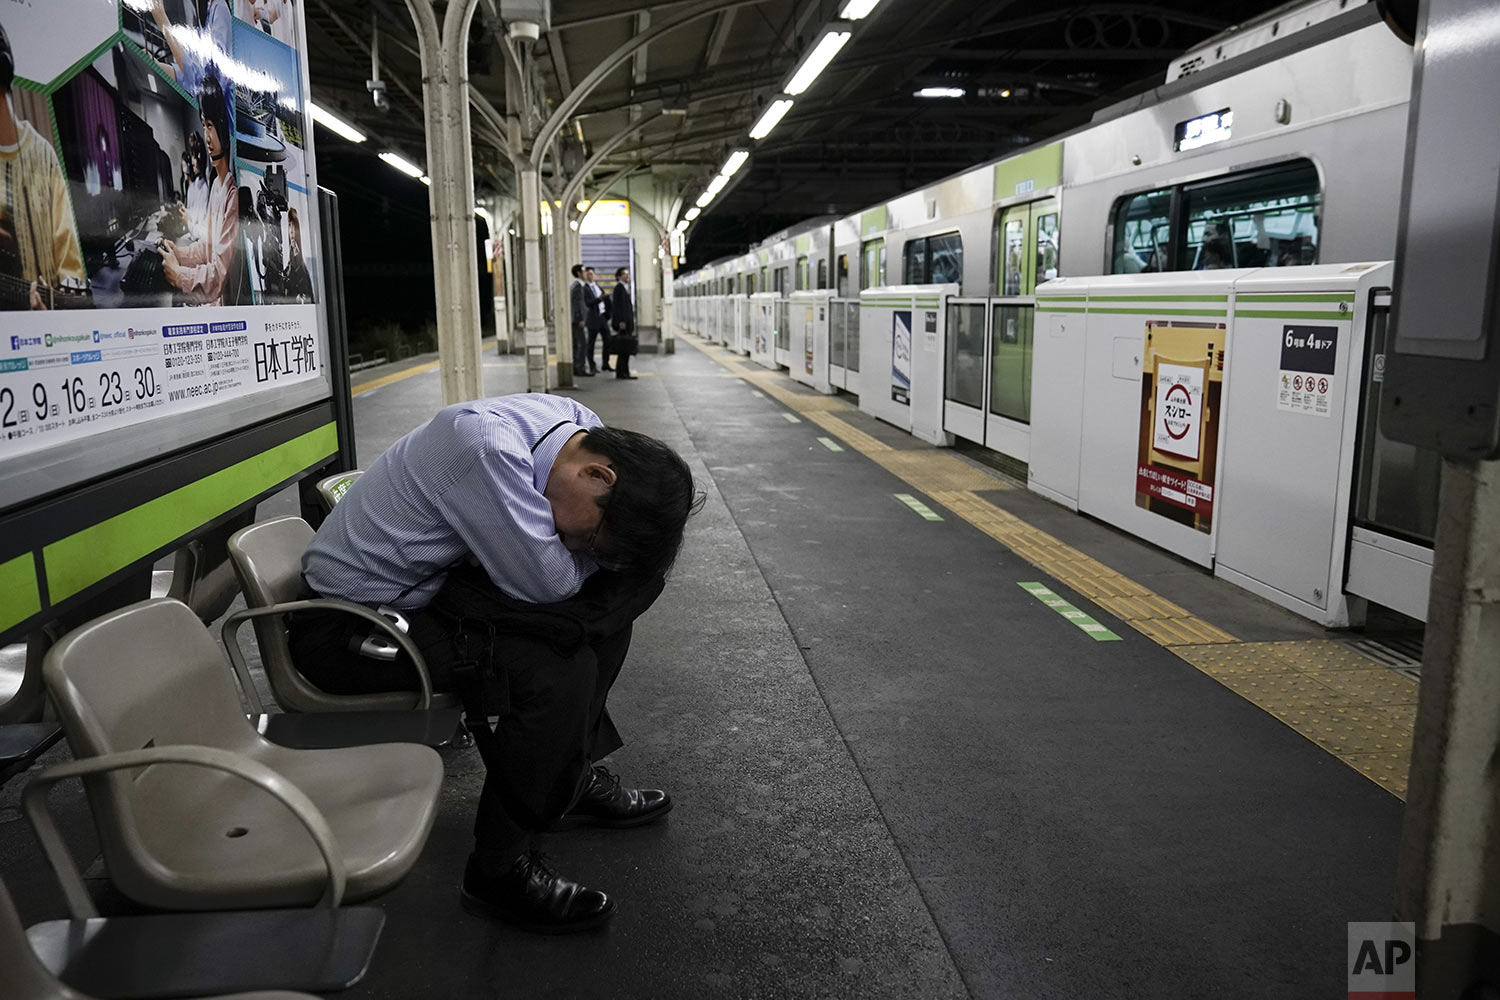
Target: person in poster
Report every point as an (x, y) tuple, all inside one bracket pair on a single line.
[(194, 53), (196, 193), (200, 270), (40, 256), (298, 279)]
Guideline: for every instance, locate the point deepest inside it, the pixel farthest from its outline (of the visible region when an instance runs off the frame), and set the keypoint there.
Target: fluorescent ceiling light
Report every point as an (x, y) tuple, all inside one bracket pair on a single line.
[(425, 180), (704, 199), (856, 9), (716, 185), (334, 124), (402, 164), (940, 92), (769, 119), (736, 160), (816, 61), (693, 213), (682, 226)]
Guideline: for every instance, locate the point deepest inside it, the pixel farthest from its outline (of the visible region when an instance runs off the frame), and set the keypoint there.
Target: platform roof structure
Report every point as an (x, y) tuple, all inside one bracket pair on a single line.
[(1028, 69)]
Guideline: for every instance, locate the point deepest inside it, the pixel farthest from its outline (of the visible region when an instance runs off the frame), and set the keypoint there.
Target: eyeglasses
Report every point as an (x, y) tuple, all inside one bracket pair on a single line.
[(594, 535)]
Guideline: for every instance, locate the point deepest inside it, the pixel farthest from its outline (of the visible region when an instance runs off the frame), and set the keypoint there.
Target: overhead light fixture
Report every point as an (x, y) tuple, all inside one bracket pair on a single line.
[(402, 164), (693, 213), (716, 185), (704, 199), (816, 60), (682, 226), (770, 118), (940, 92), (334, 124), (856, 9), (732, 165), (425, 180)]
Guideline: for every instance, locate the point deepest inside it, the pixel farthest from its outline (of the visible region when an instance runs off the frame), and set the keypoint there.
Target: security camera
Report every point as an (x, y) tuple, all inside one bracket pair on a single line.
[(377, 93)]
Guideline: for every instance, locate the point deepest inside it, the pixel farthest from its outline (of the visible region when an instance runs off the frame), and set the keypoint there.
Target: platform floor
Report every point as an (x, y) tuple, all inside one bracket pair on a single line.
[(900, 773)]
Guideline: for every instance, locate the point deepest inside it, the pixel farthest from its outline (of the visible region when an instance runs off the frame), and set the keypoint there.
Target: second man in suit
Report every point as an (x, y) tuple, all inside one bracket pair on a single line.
[(622, 320)]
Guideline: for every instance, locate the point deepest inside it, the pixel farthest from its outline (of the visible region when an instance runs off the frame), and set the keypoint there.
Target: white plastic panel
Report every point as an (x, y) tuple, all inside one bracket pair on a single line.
[(808, 355), (1056, 397), (1390, 571), (1293, 410)]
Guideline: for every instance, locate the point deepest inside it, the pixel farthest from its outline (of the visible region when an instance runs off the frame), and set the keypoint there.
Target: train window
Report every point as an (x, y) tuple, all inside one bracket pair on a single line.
[(872, 264), (1260, 218), (1268, 218), (822, 274), (1142, 233), (1047, 237), (842, 278), (802, 284), (945, 259), (1013, 244), (934, 260), (914, 262)]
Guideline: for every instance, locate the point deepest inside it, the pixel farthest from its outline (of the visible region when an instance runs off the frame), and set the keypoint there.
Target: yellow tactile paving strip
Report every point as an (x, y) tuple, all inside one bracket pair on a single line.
[(1355, 708)]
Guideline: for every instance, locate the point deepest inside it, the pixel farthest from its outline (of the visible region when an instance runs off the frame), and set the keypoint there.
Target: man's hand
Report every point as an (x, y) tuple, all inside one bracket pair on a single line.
[(159, 14), (36, 296)]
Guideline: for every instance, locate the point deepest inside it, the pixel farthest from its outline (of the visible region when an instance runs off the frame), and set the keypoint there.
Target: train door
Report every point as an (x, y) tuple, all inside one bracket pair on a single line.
[(988, 381)]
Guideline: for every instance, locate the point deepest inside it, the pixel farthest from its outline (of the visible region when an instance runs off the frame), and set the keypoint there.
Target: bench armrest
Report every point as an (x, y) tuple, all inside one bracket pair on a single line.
[(242, 672)]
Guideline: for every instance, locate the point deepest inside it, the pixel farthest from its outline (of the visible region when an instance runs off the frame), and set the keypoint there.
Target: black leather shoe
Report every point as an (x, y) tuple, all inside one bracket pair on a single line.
[(605, 803), (607, 368), (533, 897), (584, 374)]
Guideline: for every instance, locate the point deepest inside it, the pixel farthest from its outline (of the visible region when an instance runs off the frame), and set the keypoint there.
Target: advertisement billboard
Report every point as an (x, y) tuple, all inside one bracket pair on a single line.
[(159, 267)]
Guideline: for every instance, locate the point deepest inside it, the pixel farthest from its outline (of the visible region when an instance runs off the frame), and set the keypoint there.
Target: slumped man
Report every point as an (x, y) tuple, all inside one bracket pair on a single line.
[(520, 537)]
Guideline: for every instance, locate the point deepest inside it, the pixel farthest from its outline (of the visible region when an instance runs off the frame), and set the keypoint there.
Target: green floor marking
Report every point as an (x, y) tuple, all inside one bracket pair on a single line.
[(918, 506), (830, 444), (792, 418), (1058, 603)]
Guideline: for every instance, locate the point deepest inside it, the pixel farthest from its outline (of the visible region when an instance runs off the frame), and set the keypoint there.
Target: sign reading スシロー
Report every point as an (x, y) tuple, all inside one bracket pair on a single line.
[(157, 239)]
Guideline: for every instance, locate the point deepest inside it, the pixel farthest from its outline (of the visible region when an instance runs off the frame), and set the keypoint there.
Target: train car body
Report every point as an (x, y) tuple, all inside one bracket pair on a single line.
[(1286, 152)]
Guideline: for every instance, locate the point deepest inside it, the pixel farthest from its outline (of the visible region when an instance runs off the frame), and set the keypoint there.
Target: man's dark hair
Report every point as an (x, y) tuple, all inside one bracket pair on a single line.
[(577, 270), (648, 507), (619, 271)]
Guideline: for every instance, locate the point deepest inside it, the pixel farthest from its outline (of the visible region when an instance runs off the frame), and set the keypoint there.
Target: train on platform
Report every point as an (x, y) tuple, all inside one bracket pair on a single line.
[(1276, 148)]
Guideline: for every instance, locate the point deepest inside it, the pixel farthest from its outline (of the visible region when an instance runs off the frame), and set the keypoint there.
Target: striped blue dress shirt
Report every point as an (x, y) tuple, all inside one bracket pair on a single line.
[(467, 481)]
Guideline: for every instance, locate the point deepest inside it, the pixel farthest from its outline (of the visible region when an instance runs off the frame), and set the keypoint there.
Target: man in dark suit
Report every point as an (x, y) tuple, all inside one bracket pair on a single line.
[(598, 318), (623, 321), (578, 317)]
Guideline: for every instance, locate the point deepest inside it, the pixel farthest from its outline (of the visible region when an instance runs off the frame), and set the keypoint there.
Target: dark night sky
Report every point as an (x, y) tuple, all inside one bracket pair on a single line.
[(386, 239)]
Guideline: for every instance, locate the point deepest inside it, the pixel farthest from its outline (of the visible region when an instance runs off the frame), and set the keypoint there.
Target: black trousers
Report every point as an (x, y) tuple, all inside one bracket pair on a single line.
[(596, 334), (582, 355), (547, 671)]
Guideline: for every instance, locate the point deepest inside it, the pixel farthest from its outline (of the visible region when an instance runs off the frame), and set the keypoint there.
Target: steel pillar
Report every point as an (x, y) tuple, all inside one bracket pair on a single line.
[(445, 93), (535, 329), (1449, 871)]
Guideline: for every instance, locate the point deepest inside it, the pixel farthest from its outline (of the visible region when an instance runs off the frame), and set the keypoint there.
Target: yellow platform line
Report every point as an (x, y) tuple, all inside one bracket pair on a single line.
[(384, 380), (1349, 705)]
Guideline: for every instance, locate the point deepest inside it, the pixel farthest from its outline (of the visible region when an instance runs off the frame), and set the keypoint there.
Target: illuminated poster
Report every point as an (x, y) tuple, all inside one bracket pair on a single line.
[(1182, 380), (901, 356), (157, 247)]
